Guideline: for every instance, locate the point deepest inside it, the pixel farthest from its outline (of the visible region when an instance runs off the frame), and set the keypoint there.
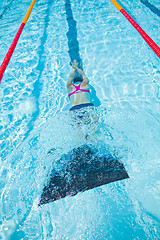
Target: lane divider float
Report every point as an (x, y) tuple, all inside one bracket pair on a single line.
[(14, 43), (144, 35)]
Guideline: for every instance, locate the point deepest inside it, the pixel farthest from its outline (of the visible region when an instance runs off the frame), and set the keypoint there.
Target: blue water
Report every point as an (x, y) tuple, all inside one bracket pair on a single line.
[(34, 118)]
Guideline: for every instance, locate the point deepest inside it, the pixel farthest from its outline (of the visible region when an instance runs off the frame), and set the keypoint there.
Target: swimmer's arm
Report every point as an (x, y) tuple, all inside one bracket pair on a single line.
[(85, 79), (69, 83)]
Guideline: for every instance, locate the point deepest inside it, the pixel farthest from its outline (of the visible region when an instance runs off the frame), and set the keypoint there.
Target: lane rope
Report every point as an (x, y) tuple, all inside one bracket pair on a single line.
[(144, 35), (15, 40)]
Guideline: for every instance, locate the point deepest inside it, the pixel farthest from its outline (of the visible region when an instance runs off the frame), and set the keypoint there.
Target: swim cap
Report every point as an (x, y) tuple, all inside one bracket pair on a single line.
[(77, 79)]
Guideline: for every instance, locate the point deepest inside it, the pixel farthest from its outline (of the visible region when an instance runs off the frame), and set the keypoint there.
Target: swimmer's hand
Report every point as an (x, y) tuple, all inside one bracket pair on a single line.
[(74, 64)]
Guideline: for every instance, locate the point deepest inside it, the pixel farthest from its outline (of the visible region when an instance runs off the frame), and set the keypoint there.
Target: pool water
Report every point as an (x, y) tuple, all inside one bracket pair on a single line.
[(124, 74)]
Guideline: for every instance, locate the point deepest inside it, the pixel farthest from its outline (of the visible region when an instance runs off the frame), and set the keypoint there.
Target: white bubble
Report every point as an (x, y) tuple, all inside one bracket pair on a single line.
[(27, 107)]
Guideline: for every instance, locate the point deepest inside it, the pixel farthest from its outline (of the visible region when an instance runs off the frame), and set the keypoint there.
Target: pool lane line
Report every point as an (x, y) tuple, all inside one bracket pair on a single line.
[(144, 35), (14, 42), (73, 43)]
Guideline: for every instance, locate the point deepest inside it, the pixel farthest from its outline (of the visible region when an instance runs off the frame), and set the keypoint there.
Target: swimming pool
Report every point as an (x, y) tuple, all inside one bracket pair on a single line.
[(34, 106)]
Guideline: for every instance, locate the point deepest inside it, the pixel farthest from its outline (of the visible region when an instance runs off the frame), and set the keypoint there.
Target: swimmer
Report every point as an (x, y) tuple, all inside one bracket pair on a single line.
[(79, 95), (78, 89)]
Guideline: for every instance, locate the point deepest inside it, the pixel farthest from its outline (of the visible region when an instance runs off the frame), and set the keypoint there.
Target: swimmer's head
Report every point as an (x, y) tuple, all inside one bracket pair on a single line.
[(77, 80)]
